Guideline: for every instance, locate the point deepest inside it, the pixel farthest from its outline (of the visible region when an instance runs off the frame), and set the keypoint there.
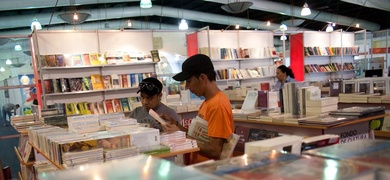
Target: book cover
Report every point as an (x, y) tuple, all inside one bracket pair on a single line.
[(155, 55), (97, 82), (94, 59), (125, 104), (77, 60), (48, 84), (75, 84), (107, 82), (60, 60), (108, 106), (87, 108), (64, 85), (115, 81), (125, 81), (243, 132), (56, 85), (117, 105), (87, 84), (86, 61), (51, 61), (100, 107)]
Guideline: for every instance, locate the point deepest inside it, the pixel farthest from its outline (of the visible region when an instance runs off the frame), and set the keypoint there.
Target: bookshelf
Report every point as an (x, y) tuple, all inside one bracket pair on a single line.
[(320, 56), (102, 42), (234, 50)]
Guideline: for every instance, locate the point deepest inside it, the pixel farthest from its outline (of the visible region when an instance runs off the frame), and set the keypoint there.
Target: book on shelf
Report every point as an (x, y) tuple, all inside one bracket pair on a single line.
[(155, 55), (107, 82), (117, 105), (48, 84), (50, 61), (75, 84), (77, 60), (94, 59), (108, 106), (64, 85), (114, 81), (125, 104), (97, 82), (87, 84), (85, 60)]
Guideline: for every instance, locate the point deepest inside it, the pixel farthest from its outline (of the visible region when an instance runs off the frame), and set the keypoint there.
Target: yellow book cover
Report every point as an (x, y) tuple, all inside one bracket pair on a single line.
[(94, 59), (97, 82), (87, 109)]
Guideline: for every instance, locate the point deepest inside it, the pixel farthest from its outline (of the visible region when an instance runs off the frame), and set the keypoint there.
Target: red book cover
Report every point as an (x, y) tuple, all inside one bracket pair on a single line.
[(264, 86), (108, 106), (243, 132), (125, 81), (86, 61)]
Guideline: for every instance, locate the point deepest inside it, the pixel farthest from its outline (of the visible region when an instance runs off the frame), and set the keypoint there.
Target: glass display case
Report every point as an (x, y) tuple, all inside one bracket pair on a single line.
[(350, 86), (364, 86), (379, 86)]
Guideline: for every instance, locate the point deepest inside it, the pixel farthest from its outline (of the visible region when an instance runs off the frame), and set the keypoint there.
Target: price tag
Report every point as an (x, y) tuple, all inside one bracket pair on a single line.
[(336, 86)]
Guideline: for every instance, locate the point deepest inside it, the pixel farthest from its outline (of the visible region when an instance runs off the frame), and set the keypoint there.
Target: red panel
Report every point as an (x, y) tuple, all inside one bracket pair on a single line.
[(296, 56), (192, 44)]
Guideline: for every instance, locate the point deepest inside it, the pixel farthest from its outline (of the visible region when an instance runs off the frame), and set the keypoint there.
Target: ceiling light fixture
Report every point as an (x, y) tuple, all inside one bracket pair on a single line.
[(183, 25), (129, 23), (357, 25), (145, 4), (72, 19), (283, 27), (268, 23), (236, 7), (329, 28), (18, 47), (283, 38), (75, 16), (8, 62), (237, 26), (36, 25), (333, 24), (305, 10), (2, 69)]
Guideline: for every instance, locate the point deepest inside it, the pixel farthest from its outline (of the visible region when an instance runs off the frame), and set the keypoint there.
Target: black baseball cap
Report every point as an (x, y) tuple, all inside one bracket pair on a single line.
[(150, 86), (196, 64)]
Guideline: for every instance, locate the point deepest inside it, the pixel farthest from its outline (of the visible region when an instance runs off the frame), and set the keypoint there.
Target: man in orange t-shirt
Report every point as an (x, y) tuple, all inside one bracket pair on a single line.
[(198, 72)]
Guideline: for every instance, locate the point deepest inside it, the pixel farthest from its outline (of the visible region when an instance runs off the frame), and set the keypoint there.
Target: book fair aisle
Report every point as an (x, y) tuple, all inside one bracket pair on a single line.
[(89, 83)]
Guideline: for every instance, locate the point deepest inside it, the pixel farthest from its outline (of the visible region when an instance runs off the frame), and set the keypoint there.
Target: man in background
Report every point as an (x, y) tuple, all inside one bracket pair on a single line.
[(150, 90), (7, 110)]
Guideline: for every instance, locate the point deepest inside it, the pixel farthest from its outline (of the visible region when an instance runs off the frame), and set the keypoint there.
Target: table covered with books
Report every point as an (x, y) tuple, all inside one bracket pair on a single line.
[(349, 128)]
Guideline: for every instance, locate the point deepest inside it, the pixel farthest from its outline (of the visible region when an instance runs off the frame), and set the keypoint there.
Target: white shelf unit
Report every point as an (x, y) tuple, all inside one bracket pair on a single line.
[(85, 42), (325, 39), (258, 41)]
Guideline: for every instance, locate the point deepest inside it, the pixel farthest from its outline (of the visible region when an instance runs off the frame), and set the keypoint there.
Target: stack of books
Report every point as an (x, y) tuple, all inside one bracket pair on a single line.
[(379, 99), (84, 123), (75, 159), (362, 98), (321, 106), (347, 97), (116, 125), (177, 141)]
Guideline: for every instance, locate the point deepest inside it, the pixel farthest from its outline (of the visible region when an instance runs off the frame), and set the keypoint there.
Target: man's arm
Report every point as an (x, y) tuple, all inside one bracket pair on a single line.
[(211, 149)]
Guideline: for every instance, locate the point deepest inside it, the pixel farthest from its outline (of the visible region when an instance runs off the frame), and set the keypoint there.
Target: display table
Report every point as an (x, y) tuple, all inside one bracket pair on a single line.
[(349, 131)]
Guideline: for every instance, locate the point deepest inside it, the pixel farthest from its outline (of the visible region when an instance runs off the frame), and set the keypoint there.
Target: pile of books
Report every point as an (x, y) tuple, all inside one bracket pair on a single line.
[(22, 122), (75, 159), (321, 106), (177, 141)]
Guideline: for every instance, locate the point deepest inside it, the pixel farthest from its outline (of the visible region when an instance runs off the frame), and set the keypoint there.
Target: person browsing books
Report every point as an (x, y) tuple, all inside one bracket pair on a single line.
[(150, 90), (284, 75), (7, 111), (198, 72)]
